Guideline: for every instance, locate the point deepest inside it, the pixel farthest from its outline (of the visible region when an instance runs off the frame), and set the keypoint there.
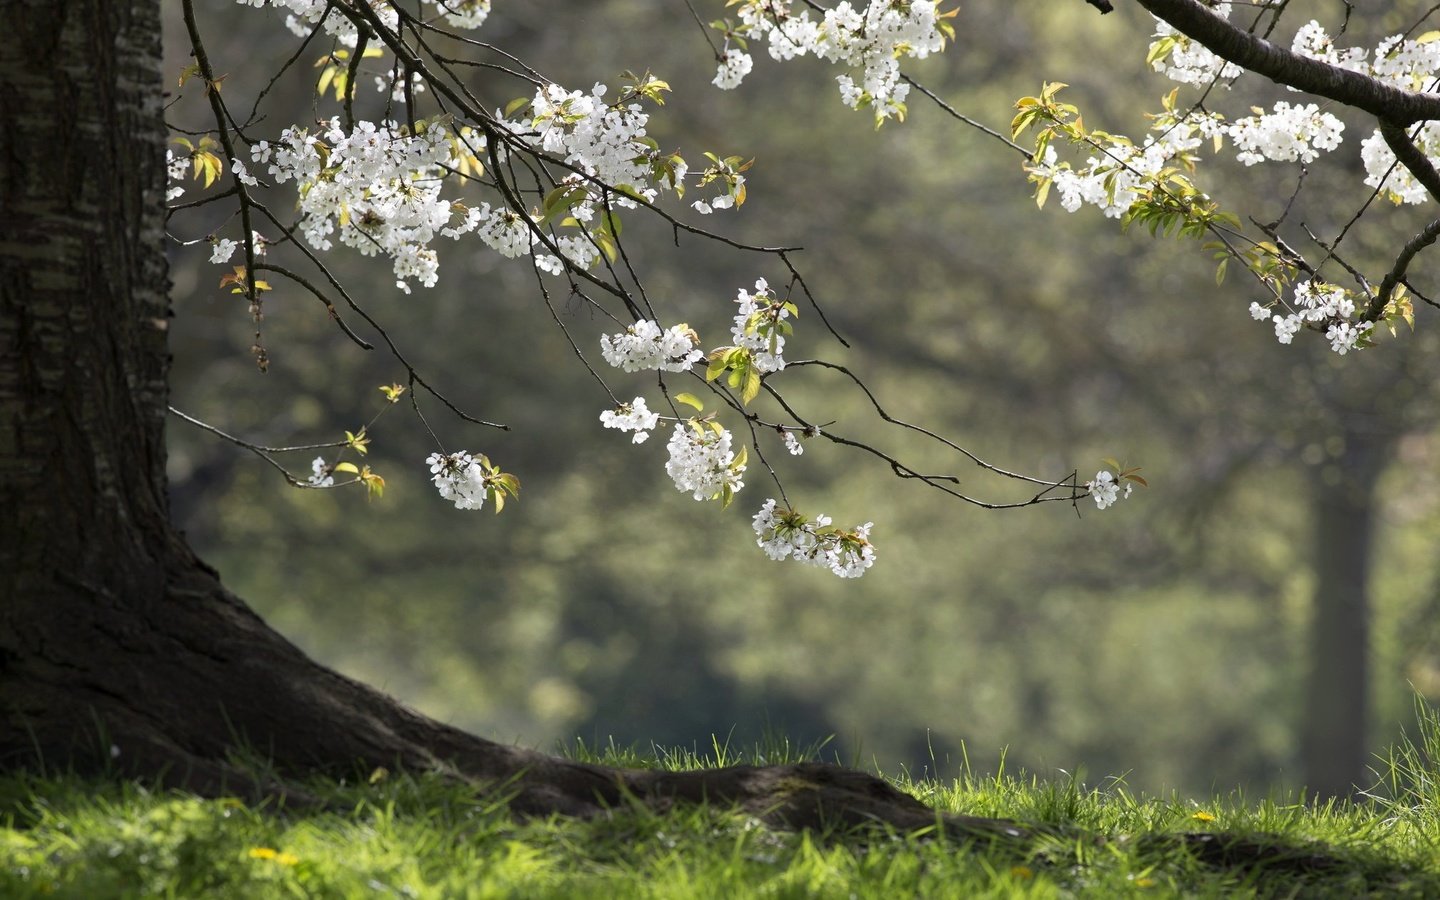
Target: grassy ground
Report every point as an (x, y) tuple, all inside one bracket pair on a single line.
[(425, 837)]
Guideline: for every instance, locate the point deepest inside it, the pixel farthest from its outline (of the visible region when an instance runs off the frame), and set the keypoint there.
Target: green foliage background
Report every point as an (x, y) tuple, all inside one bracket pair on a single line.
[(1163, 640)]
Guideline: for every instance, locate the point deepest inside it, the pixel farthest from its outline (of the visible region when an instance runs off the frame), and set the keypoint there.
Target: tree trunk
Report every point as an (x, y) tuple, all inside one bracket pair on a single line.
[(120, 651), (1337, 707)]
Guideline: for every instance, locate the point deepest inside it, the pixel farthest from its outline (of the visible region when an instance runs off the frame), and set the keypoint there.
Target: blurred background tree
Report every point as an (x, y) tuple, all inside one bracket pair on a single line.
[(1199, 637)]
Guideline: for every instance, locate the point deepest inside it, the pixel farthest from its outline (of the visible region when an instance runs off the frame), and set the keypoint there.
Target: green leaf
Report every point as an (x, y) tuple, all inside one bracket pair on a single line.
[(375, 485), (347, 468), (1042, 192), (690, 400), (752, 385)]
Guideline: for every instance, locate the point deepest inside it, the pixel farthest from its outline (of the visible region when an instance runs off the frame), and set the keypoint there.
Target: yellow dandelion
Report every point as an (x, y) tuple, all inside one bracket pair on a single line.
[(1203, 816), (273, 855)]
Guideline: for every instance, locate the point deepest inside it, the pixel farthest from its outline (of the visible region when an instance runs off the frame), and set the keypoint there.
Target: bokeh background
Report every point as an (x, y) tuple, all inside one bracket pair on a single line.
[(1168, 641)]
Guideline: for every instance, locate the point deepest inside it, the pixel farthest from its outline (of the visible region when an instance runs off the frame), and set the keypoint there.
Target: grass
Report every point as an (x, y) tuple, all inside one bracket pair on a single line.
[(423, 836)]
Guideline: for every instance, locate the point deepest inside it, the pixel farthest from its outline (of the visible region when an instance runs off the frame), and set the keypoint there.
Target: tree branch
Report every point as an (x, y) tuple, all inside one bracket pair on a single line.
[(1420, 166), (1411, 157), (1234, 44)]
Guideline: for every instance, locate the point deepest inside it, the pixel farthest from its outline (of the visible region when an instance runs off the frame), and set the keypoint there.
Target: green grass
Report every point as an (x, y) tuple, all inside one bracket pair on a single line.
[(426, 837)]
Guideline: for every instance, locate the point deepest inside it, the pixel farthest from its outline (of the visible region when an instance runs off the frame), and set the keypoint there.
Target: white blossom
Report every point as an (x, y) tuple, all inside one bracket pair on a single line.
[(1313, 42), (375, 186), (175, 169), (464, 13), (869, 42), (605, 141), (785, 534), (1322, 305), (702, 463), (1285, 328), (459, 478), (504, 230), (757, 327), (792, 443), (643, 346), (1104, 489), (1345, 336), (305, 15), (238, 167), (320, 474), (1188, 61), (1383, 171), (733, 68), (1287, 134), (224, 249), (633, 416)]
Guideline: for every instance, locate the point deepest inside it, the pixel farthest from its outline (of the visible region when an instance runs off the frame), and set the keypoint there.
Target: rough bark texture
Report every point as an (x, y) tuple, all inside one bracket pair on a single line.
[(119, 649)]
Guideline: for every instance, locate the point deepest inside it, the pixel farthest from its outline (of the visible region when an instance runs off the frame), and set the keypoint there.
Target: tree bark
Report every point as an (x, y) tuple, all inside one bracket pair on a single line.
[(1337, 703), (120, 651)]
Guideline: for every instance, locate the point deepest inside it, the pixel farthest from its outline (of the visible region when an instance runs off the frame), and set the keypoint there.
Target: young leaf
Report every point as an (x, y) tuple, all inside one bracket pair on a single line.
[(690, 400)]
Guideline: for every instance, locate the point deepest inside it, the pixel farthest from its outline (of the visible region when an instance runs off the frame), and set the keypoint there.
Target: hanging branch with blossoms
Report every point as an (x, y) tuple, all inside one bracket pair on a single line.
[(1206, 44), (413, 160)]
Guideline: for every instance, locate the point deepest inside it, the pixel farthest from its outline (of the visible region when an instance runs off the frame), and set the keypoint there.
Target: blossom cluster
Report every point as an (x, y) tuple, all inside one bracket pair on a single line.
[(464, 13), (1181, 59), (223, 248), (304, 16), (378, 185), (1286, 134), (505, 231), (459, 477), (702, 463), (604, 142), (786, 534), (633, 416), (1319, 305), (1383, 171), (1313, 42), (1119, 171), (1107, 491), (1398, 61), (607, 144), (1301, 132), (644, 346), (175, 169), (759, 327), (321, 475), (870, 39)]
